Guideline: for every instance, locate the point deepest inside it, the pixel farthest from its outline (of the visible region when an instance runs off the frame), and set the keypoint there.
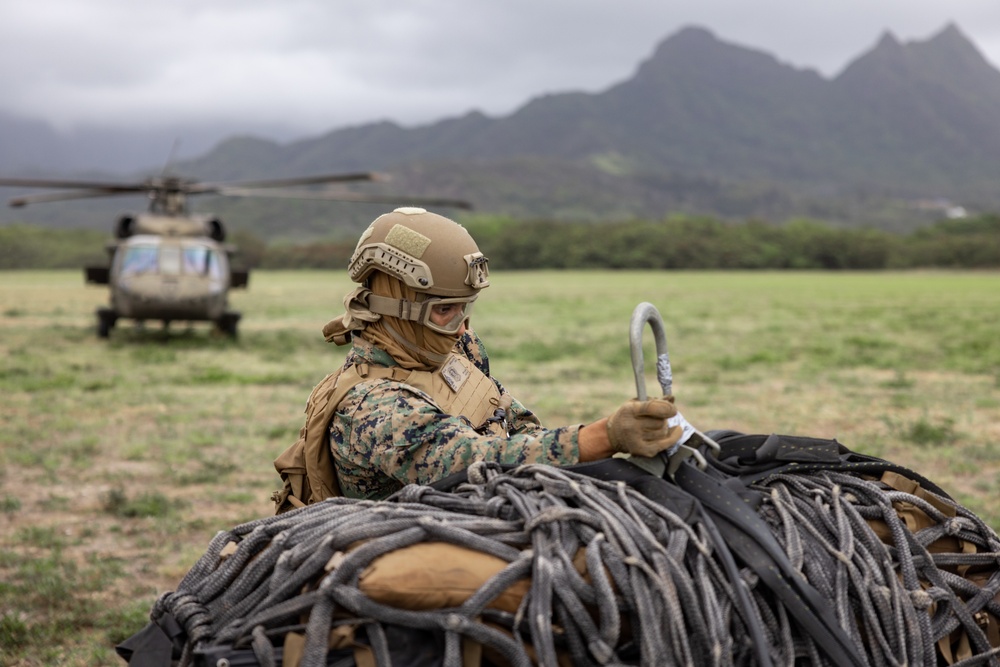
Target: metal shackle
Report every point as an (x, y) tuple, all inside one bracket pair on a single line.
[(647, 313)]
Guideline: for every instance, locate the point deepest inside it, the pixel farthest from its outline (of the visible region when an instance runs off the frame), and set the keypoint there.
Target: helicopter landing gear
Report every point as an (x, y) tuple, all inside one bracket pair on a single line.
[(228, 322), (106, 319)]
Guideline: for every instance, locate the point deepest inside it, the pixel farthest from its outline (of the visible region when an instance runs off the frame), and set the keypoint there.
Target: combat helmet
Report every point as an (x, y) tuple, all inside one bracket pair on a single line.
[(432, 255)]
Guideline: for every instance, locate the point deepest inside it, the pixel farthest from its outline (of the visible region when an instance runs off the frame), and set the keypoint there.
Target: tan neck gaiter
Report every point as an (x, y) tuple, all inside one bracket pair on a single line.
[(411, 344)]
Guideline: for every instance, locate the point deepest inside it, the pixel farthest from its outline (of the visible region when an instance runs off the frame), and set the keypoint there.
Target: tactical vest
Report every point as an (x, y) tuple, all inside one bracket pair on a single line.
[(307, 467)]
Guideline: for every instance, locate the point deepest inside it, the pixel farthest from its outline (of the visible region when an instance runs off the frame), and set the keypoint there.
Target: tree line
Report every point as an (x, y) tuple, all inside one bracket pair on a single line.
[(673, 243), (700, 243)]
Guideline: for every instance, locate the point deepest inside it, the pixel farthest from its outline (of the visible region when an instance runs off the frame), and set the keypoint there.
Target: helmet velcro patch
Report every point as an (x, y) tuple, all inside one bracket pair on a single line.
[(411, 242)]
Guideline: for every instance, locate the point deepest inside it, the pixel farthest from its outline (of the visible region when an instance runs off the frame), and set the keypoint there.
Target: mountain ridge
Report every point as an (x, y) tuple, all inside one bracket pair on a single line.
[(752, 104), (901, 122)]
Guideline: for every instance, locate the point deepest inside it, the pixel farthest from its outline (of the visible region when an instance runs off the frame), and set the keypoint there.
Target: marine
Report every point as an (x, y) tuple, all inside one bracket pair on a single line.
[(415, 400)]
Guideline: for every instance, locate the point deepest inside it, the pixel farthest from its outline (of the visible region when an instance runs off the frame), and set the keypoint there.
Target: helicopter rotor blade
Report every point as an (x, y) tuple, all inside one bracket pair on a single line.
[(76, 189), (164, 185), (18, 202), (187, 186), (217, 188), (73, 185), (320, 195)]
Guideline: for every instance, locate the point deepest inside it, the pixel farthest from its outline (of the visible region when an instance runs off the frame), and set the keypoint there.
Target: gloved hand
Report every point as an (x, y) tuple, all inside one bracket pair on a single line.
[(640, 427)]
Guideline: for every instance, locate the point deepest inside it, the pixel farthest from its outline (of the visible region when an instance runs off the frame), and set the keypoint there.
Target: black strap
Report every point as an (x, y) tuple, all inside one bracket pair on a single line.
[(749, 537), (156, 645), (753, 458)]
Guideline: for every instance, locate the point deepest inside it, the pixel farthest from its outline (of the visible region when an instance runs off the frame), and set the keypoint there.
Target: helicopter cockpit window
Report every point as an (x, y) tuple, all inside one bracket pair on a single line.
[(199, 260), (140, 259), (170, 260), (214, 266)]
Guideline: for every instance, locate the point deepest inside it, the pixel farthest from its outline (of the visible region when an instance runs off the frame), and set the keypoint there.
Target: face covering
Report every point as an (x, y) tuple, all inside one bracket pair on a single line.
[(411, 344)]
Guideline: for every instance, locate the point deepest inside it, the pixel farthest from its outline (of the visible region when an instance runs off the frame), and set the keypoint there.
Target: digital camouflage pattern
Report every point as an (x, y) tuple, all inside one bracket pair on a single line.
[(385, 434)]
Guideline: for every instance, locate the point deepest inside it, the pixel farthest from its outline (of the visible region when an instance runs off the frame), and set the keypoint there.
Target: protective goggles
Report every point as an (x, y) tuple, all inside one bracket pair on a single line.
[(444, 315)]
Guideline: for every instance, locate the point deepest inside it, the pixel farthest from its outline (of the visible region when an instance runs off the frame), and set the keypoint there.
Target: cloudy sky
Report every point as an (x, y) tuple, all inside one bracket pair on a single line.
[(290, 68)]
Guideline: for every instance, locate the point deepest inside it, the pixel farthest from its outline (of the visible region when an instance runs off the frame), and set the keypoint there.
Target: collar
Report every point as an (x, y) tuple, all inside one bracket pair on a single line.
[(373, 355)]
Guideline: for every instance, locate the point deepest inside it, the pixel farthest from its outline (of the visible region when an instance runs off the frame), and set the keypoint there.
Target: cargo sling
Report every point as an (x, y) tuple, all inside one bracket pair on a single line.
[(639, 533), (721, 496)]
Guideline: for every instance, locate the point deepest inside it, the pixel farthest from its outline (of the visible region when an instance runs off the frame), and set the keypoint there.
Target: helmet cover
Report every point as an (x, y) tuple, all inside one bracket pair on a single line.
[(426, 251)]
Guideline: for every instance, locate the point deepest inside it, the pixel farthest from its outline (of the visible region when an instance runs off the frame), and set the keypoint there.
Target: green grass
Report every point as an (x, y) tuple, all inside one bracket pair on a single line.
[(121, 458), (155, 504)]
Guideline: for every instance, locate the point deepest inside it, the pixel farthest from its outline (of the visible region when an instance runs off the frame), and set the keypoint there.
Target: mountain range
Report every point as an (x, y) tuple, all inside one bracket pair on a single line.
[(702, 127)]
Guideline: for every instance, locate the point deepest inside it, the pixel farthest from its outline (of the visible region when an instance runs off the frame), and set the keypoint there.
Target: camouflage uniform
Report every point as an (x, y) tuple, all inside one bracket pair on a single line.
[(385, 434)]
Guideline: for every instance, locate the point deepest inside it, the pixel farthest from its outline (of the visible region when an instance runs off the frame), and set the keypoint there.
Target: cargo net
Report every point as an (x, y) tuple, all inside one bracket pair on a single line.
[(543, 565)]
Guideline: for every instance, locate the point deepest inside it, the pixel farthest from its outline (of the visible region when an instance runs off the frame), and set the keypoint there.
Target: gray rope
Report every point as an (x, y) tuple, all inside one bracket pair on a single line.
[(655, 591), (902, 580)]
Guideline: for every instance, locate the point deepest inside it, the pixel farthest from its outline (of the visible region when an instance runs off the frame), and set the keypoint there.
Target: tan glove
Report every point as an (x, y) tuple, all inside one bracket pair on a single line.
[(640, 427)]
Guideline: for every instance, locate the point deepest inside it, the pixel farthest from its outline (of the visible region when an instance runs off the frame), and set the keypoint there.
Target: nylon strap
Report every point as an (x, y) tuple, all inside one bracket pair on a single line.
[(750, 539)]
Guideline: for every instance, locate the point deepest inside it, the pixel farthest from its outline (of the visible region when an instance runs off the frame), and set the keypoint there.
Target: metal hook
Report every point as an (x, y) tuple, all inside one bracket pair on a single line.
[(647, 313)]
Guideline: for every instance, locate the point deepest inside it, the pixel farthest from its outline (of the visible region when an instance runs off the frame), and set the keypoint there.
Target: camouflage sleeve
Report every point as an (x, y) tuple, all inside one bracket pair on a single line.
[(521, 419), (471, 345), (399, 432)]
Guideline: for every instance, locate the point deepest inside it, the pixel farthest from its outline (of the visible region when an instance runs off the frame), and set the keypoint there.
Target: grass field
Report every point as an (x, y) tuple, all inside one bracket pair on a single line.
[(121, 458)]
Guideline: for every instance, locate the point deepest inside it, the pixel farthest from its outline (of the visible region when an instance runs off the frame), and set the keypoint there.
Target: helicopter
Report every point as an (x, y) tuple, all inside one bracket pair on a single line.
[(172, 265)]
